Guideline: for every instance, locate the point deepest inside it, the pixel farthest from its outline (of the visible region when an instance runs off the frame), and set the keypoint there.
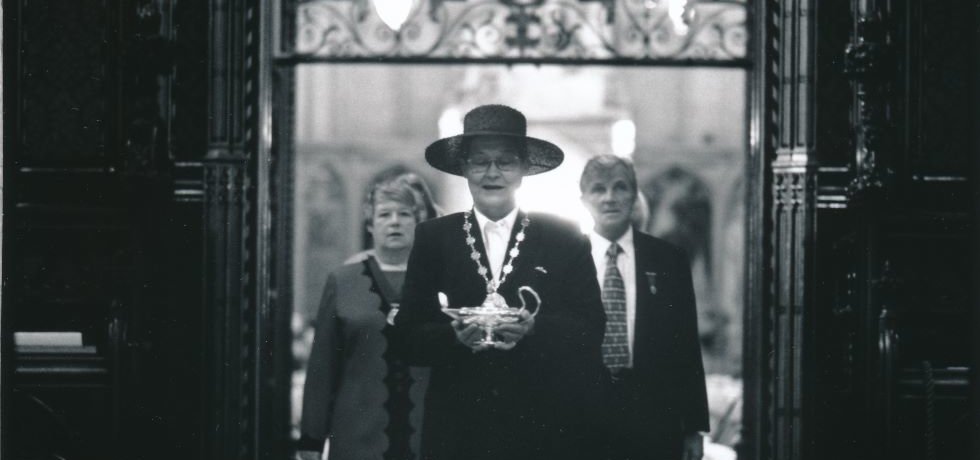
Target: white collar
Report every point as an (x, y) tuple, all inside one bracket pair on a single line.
[(600, 244), (392, 268), (507, 221), (388, 267)]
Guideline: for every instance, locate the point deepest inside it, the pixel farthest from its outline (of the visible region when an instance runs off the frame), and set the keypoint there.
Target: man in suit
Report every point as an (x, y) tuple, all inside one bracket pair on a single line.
[(531, 394), (657, 404)]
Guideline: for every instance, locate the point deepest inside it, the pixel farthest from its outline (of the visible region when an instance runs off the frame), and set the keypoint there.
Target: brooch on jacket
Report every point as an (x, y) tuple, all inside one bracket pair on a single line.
[(392, 314), (652, 281)]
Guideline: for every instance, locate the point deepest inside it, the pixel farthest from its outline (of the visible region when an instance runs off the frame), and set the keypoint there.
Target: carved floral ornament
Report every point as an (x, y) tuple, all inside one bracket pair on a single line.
[(525, 29)]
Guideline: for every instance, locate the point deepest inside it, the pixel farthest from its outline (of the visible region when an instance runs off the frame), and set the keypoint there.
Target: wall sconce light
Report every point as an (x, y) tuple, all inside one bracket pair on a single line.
[(680, 12), (450, 122), (394, 13), (623, 138), (676, 10)]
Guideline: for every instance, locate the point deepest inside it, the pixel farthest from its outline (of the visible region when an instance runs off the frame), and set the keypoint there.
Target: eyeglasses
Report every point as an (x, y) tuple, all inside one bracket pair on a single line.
[(482, 164)]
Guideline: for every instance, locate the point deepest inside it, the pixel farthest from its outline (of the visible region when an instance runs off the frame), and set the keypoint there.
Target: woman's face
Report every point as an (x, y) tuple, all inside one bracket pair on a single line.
[(392, 225), (494, 171)]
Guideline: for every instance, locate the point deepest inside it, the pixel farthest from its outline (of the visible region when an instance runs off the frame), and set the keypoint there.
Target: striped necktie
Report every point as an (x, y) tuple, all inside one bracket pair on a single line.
[(615, 344)]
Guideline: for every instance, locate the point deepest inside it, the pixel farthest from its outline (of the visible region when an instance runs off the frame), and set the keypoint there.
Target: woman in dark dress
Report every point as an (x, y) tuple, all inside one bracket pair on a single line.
[(359, 397)]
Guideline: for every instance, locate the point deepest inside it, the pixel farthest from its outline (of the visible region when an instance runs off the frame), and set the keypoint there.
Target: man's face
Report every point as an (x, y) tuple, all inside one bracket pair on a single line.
[(392, 225), (609, 197), (494, 171)]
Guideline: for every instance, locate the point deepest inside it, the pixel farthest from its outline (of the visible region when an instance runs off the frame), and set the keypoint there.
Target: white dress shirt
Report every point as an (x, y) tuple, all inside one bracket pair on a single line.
[(496, 235), (626, 262)]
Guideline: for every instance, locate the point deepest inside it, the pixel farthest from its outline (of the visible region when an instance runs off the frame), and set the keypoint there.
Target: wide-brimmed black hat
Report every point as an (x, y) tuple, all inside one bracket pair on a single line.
[(493, 120)]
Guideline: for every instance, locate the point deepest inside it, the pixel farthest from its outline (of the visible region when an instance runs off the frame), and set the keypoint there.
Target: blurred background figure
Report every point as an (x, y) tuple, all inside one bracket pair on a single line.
[(357, 394)]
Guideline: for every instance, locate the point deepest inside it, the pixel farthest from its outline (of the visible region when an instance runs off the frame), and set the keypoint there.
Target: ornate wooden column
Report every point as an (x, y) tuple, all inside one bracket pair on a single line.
[(778, 314), (794, 171), (870, 65), (235, 171)]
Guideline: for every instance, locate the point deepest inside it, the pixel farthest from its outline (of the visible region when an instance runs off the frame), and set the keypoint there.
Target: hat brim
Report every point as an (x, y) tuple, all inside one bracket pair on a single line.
[(446, 154)]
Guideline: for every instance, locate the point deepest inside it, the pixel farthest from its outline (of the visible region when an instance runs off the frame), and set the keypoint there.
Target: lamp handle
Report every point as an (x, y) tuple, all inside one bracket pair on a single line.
[(520, 291)]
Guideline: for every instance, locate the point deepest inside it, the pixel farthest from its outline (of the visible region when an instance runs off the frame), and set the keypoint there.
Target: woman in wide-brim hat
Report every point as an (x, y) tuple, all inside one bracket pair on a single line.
[(531, 394)]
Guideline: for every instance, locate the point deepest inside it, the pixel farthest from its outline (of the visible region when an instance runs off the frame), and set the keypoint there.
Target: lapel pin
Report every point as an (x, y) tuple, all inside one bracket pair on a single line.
[(652, 281), (392, 314)]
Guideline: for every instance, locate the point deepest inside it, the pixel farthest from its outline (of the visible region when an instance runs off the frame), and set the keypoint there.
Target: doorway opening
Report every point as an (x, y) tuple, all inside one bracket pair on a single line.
[(362, 89), (684, 129)]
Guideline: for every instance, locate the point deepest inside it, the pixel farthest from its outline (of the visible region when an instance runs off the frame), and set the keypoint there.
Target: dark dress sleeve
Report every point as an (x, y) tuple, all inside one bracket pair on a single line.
[(422, 331), (694, 416), (323, 371)]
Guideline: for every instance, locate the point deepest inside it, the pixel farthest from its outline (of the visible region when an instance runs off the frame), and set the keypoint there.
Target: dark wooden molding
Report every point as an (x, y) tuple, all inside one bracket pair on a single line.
[(975, 224), (227, 311), (794, 204), (148, 63), (869, 62), (233, 86), (889, 331), (237, 233), (780, 266), (764, 21), (282, 176), (273, 280)]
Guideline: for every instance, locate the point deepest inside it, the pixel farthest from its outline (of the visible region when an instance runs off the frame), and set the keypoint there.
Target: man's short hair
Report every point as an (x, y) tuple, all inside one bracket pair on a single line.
[(608, 162)]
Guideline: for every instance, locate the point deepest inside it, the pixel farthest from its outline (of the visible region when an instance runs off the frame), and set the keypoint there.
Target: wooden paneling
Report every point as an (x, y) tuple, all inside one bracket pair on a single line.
[(101, 100), (67, 62), (67, 264), (895, 221), (864, 350)]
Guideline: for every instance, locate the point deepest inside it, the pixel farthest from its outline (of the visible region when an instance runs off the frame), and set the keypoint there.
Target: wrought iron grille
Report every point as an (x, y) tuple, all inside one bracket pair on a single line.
[(522, 30)]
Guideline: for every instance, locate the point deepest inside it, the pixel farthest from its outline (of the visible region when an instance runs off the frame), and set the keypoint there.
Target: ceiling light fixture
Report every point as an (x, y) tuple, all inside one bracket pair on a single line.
[(394, 13)]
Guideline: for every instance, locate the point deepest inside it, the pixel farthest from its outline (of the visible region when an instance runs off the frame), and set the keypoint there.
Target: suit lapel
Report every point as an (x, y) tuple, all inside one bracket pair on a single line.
[(648, 305)]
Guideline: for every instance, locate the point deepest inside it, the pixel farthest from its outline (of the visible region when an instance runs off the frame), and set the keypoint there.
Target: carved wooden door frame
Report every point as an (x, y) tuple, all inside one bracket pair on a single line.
[(248, 216)]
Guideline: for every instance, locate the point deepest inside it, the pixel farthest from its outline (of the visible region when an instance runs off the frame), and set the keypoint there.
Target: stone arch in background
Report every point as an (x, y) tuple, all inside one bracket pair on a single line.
[(730, 268), (680, 211), (680, 205), (320, 218)]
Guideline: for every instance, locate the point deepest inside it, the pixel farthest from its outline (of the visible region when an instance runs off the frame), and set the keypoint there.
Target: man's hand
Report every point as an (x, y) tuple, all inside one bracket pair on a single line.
[(693, 447), (469, 335), (511, 333)]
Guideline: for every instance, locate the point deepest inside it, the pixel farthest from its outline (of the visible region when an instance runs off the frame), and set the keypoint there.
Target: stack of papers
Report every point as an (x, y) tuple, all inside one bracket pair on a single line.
[(51, 342)]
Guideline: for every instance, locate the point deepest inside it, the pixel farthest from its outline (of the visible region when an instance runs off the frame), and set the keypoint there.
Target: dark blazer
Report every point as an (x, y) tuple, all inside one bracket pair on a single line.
[(664, 394), (528, 402)]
